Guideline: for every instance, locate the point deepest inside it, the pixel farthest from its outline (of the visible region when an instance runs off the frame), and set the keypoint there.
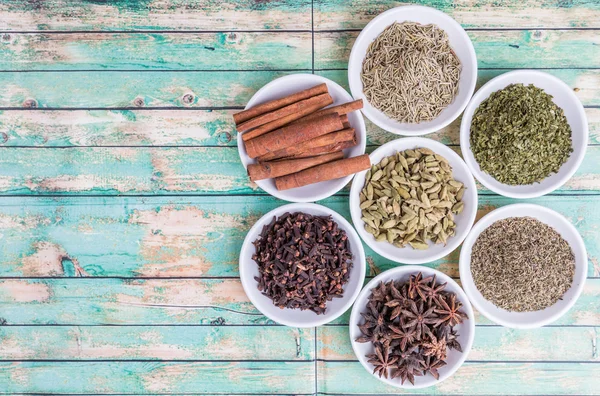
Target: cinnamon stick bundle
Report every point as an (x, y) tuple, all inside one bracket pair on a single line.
[(324, 172), (284, 112), (269, 170), (322, 101), (278, 103), (345, 135), (292, 135)]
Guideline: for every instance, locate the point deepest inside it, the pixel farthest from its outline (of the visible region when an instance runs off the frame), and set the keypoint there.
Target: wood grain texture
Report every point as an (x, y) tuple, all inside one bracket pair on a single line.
[(165, 127), (157, 377), (492, 344), (112, 89), (165, 170), (72, 301), (473, 378), (152, 51), (194, 15), (185, 237), (510, 49), (355, 14), (271, 50), (156, 343)]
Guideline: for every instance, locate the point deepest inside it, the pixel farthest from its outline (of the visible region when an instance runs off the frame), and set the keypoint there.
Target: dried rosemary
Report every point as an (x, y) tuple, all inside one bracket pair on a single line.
[(410, 72), (521, 264), (519, 136)]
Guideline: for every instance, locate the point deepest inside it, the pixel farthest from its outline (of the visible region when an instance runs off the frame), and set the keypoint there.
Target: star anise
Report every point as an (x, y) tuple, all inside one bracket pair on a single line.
[(418, 318), (450, 313), (435, 347), (416, 285), (375, 324), (409, 365), (406, 336), (382, 360), (451, 337), (432, 293), (379, 293), (431, 365)]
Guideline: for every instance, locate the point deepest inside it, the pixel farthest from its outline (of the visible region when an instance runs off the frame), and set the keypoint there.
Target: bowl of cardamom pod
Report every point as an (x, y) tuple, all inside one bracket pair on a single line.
[(524, 134), (416, 203), (523, 266)]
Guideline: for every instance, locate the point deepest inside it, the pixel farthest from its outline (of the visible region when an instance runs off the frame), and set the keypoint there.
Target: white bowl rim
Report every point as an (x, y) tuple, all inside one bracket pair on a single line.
[(395, 273), (431, 126), (438, 148), (359, 263), (465, 133), (465, 264), (360, 129)]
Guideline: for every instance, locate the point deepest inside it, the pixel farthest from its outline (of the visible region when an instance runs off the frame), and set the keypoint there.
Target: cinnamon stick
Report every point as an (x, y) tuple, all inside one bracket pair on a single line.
[(325, 100), (284, 112), (344, 135), (324, 149), (324, 172), (292, 135), (269, 170), (340, 109), (278, 103)]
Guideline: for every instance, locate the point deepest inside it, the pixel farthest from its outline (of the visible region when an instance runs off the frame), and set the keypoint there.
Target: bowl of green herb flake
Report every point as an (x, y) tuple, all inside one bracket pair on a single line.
[(524, 134)]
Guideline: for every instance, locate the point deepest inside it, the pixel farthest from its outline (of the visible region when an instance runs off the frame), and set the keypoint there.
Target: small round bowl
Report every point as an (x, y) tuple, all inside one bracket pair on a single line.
[(466, 330), (525, 320), (287, 85), (461, 44), (464, 221), (564, 98), (296, 317)]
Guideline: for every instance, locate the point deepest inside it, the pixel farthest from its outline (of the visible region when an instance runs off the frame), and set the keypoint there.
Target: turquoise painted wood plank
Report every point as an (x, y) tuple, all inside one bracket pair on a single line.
[(86, 301), (270, 50), (156, 51), (156, 343), (493, 344), (165, 170), (355, 14), (157, 377), (164, 127), (111, 89), (192, 15), (185, 237), (474, 379), (495, 49)]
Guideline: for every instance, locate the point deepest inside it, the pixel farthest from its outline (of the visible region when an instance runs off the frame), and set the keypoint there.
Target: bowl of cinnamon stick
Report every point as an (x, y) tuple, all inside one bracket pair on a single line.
[(301, 138)]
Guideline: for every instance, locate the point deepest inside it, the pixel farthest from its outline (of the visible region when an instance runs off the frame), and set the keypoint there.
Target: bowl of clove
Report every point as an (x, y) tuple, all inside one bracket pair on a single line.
[(412, 327), (302, 265), (416, 204)]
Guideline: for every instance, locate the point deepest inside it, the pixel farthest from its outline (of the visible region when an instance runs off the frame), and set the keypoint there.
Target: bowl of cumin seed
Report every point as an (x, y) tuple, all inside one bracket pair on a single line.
[(523, 266)]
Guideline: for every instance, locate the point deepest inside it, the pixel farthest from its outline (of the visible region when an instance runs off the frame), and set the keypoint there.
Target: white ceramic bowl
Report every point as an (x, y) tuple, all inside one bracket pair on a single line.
[(525, 320), (564, 98), (464, 221), (296, 317), (287, 85), (466, 330), (461, 44)]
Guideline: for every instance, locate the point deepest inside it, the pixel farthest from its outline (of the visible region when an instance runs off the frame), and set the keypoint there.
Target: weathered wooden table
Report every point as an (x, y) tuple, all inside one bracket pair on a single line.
[(124, 205)]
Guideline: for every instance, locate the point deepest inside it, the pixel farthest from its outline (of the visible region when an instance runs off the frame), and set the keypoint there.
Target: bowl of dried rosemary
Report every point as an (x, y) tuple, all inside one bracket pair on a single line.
[(524, 134), (523, 266), (412, 327), (415, 69), (416, 204), (302, 265)]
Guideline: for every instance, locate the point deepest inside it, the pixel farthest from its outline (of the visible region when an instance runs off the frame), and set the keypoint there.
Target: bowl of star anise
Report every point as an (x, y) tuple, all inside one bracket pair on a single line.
[(412, 327)]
